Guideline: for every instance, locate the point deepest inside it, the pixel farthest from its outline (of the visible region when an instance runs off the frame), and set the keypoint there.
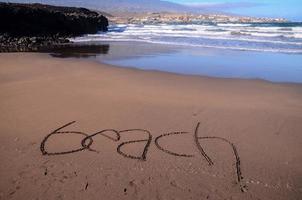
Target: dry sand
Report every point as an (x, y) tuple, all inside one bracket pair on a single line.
[(39, 94)]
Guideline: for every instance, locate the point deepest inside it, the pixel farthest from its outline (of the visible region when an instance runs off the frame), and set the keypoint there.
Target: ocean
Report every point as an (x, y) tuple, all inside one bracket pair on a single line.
[(271, 37), (267, 51)]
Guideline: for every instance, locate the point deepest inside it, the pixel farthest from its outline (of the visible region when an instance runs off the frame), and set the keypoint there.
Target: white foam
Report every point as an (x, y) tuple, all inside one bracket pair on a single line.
[(233, 25), (228, 36), (192, 45)]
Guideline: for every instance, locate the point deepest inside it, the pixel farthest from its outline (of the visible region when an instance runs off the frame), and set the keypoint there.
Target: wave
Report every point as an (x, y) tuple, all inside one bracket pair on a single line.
[(233, 25), (201, 29), (223, 36), (192, 45), (201, 37)]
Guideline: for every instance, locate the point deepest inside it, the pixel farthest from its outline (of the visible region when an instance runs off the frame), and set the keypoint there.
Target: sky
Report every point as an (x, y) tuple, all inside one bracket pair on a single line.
[(290, 9)]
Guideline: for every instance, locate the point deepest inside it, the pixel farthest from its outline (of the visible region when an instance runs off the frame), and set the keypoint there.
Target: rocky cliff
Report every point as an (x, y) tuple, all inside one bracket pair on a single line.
[(36, 24)]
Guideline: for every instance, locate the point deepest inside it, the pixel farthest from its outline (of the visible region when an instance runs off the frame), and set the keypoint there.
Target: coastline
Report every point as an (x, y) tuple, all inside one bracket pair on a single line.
[(186, 60), (41, 93)]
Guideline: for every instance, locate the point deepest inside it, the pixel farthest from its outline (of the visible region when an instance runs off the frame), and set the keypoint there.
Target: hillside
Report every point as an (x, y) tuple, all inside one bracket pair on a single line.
[(117, 6)]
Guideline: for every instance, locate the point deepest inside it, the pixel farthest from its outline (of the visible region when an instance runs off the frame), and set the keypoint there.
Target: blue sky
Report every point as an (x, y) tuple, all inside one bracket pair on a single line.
[(290, 9)]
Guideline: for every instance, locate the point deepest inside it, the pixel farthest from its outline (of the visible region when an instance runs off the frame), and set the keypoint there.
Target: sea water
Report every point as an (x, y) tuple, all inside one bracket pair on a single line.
[(269, 51), (270, 37)]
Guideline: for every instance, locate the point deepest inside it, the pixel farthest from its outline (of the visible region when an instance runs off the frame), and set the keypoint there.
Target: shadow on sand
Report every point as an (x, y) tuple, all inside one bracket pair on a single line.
[(76, 51)]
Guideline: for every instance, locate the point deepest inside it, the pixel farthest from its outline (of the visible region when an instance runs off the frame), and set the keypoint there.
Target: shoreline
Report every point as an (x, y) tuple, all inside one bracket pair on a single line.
[(40, 93), (197, 75), (208, 62), (154, 71)]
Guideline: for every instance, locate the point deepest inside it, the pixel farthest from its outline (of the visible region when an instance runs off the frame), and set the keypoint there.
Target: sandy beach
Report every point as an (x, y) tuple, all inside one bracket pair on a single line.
[(144, 134)]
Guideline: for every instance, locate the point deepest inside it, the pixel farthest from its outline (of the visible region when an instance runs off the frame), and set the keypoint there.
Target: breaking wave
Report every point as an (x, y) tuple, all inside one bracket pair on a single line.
[(278, 37)]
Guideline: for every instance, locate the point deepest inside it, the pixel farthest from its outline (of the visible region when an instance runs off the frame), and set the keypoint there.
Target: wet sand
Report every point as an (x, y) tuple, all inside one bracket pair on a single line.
[(144, 134)]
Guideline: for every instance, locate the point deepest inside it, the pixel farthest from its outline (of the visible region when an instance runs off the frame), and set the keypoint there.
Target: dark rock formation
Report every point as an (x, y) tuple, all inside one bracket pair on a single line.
[(9, 43), (26, 26)]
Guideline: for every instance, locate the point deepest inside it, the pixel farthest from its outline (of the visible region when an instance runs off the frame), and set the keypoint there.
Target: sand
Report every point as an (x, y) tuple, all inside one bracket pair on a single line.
[(261, 121)]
